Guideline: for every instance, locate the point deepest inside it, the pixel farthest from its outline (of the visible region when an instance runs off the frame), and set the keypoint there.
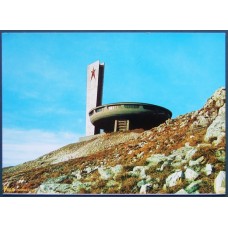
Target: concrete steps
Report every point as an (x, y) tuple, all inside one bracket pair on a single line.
[(121, 125)]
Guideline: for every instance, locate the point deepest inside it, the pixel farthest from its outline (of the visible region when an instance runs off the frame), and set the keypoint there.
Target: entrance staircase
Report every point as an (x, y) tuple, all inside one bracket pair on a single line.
[(121, 125)]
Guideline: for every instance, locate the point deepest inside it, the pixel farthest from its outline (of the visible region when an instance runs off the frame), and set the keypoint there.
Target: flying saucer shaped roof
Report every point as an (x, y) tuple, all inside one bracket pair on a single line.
[(140, 115)]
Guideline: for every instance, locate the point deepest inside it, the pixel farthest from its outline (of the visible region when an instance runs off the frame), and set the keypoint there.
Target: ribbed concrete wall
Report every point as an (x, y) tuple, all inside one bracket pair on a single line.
[(95, 76)]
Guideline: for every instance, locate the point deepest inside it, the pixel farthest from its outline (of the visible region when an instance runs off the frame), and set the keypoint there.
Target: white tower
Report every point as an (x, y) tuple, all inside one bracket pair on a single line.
[(95, 78)]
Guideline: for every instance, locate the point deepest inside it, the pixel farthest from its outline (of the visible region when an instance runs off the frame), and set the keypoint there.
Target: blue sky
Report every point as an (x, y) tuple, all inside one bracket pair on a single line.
[(44, 80)]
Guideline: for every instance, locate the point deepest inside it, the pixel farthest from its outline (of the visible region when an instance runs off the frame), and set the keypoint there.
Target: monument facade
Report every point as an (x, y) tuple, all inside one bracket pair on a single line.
[(122, 116)]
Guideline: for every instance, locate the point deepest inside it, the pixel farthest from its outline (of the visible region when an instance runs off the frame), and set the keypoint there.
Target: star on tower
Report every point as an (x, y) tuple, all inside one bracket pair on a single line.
[(93, 74)]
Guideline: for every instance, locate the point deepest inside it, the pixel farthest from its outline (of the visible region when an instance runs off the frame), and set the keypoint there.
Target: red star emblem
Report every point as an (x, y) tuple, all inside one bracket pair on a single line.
[(93, 74)]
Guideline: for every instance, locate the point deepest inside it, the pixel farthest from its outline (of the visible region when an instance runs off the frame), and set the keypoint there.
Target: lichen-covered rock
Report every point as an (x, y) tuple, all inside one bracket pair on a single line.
[(220, 183), (46, 188), (108, 173), (88, 169), (218, 98), (144, 188), (208, 169), (201, 121), (173, 179), (139, 171), (182, 191), (77, 174), (216, 131), (155, 159), (141, 182), (105, 173), (196, 162), (57, 179), (193, 186), (116, 170), (53, 188), (221, 155), (190, 174), (77, 186), (112, 183)]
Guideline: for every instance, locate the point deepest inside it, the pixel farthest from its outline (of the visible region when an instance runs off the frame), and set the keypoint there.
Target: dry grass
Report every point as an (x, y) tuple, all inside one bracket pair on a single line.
[(129, 185), (207, 184), (169, 137)]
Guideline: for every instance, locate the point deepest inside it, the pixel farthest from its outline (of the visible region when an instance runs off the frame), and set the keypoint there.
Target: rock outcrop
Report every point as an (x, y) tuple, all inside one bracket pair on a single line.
[(185, 155)]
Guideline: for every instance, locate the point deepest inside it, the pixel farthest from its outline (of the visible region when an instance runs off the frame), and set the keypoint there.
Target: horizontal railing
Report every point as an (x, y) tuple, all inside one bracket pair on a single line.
[(113, 107)]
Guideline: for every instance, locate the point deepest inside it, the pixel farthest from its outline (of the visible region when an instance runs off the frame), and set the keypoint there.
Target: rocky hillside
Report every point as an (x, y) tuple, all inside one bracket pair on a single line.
[(185, 155)]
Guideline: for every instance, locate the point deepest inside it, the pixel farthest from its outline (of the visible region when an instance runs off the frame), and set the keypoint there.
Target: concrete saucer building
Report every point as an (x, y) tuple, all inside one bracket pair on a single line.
[(120, 116)]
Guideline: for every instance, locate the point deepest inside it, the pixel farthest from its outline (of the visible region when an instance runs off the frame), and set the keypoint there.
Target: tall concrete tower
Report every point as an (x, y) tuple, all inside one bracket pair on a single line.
[(95, 78)]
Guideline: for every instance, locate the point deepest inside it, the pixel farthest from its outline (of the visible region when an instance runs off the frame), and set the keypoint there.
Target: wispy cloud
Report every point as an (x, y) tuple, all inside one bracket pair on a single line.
[(24, 145)]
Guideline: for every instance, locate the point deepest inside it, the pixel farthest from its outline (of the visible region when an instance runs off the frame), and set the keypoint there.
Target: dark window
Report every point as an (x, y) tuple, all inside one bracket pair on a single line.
[(131, 106)]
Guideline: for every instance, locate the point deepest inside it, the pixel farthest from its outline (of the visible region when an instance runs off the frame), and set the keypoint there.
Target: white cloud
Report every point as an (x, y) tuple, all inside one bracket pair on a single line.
[(24, 145)]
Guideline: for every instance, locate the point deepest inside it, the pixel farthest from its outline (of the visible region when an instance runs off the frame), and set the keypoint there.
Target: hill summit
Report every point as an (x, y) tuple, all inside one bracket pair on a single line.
[(185, 155)]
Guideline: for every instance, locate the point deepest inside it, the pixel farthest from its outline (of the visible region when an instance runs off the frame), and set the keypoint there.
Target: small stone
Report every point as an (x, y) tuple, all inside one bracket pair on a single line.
[(190, 174), (141, 183), (139, 171), (203, 145), (164, 188), (155, 186), (219, 103), (187, 144), (105, 173), (155, 159), (117, 169), (77, 174), (220, 154), (176, 164), (182, 191), (88, 169), (77, 186), (112, 183), (196, 162), (190, 153), (140, 155), (164, 165), (208, 169), (144, 188), (130, 151), (216, 131), (47, 188), (173, 179), (193, 186), (220, 183)]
